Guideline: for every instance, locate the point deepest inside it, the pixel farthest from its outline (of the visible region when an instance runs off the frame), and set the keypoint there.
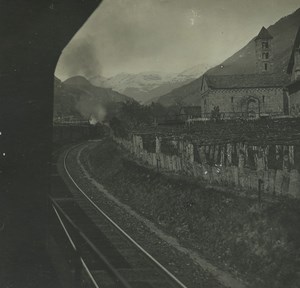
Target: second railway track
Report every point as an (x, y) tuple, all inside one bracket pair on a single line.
[(107, 254)]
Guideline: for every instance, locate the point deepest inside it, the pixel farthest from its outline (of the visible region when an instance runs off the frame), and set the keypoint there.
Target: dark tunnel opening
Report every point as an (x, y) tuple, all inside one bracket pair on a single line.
[(33, 35)]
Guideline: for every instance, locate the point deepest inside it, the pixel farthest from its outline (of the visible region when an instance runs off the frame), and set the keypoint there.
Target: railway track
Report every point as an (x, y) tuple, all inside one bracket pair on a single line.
[(105, 255)]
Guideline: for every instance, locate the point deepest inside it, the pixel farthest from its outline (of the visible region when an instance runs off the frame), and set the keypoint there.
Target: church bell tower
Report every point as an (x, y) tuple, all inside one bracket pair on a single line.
[(263, 49)]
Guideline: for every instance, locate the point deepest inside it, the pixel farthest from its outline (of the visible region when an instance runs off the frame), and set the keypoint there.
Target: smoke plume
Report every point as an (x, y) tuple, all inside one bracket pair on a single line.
[(91, 109), (80, 58)]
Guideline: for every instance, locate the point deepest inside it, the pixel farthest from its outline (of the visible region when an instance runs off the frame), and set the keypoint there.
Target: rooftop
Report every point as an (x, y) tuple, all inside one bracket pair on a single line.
[(296, 45), (263, 34), (247, 81)]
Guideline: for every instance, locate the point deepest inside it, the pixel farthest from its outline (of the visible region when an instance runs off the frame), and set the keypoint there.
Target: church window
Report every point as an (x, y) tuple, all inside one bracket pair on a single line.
[(266, 66), (231, 99), (263, 99), (265, 55), (265, 45)]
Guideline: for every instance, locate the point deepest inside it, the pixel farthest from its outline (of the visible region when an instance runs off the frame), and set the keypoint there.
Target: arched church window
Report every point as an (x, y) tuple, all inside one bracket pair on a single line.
[(265, 55), (265, 45)]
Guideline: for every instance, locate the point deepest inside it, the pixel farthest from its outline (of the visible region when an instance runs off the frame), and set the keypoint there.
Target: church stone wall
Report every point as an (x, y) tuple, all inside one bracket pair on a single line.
[(260, 60), (235, 100)]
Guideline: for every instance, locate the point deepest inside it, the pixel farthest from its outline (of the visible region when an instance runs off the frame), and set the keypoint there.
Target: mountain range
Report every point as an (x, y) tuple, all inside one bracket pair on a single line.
[(145, 86), (244, 61)]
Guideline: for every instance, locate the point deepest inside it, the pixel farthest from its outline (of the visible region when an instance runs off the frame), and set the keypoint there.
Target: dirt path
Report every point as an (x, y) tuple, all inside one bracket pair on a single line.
[(223, 277)]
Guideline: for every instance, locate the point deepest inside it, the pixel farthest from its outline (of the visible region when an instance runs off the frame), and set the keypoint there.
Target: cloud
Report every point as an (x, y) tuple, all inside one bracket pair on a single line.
[(169, 35)]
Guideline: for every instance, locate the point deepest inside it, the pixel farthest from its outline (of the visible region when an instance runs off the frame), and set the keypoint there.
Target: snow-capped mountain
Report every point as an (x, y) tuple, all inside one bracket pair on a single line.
[(147, 85), (99, 81)]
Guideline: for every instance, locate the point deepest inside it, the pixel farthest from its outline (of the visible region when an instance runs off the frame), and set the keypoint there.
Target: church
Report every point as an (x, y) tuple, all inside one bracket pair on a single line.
[(263, 93)]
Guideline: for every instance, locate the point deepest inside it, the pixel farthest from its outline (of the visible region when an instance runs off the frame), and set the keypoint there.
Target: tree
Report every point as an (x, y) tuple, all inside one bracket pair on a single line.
[(215, 113)]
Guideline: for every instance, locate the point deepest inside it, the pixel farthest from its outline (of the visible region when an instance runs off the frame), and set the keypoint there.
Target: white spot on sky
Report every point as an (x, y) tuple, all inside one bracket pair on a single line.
[(194, 16)]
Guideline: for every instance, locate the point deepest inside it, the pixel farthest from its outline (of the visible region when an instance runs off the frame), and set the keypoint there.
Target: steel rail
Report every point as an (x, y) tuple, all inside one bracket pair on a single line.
[(110, 268), (75, 248), (165, 270)]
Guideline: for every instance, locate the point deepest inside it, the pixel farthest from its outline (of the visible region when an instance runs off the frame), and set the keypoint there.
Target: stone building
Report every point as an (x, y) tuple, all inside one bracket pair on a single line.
[(244, 96), (248, 95), (263, 51), (294, 72)]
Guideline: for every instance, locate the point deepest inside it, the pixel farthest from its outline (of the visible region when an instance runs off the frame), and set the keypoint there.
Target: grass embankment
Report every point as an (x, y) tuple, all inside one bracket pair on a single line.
[(260, 244)]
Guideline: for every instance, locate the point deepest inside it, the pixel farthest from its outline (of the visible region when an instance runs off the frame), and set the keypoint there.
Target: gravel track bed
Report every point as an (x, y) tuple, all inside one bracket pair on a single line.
[(181, 265)]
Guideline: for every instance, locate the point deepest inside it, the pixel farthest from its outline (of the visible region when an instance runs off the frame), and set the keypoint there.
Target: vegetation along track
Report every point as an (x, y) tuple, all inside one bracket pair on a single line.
[(110, 257)]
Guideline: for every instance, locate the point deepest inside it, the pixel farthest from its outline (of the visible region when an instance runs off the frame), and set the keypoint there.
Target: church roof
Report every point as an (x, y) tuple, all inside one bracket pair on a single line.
[(296, 45), (247, 81), (264, 34)]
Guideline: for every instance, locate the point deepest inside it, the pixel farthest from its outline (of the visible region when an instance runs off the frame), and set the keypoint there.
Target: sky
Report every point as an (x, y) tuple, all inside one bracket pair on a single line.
[(169, 36)]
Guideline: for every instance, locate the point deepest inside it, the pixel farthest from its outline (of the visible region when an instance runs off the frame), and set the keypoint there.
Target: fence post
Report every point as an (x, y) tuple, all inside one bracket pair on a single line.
[(260, 188)]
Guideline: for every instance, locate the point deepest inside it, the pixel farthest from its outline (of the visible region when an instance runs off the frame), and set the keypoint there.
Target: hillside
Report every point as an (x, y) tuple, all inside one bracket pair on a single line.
[(243, 61), (77, 97)]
